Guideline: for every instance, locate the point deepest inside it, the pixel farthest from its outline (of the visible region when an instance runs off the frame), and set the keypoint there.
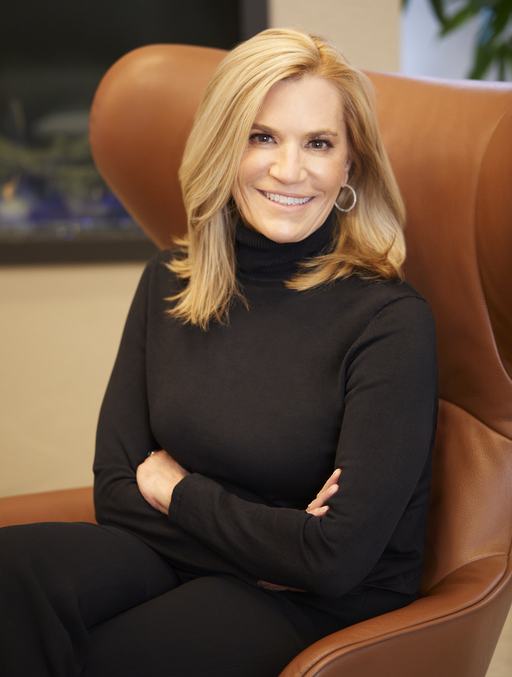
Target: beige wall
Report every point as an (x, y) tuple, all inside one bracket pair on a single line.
[(60, 329), (60, 326), (367, 31)]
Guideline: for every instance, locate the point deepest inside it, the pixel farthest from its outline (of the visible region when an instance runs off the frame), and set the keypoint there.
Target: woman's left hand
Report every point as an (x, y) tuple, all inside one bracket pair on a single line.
[(318, 507), (157, 476)]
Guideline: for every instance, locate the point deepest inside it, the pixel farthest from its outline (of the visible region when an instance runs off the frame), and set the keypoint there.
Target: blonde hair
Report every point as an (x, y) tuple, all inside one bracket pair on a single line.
[(368, 240)]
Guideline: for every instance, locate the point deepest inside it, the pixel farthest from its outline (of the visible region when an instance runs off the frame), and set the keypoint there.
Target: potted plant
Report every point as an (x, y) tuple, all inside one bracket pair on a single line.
[(493, 45)]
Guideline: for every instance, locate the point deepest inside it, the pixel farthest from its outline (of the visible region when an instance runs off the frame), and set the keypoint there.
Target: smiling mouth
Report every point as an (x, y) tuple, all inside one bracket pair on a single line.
[(285, 200)]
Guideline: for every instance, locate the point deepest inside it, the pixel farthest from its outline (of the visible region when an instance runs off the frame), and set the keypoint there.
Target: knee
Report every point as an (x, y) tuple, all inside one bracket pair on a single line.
[(28, 546), (13, 545)]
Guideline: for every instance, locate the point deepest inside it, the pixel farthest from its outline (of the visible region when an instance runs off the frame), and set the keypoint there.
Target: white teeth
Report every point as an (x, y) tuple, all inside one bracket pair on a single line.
[(282, 199)]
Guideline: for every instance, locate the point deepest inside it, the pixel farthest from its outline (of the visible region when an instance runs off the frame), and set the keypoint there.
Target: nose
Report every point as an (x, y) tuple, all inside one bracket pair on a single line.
[(288, 165)]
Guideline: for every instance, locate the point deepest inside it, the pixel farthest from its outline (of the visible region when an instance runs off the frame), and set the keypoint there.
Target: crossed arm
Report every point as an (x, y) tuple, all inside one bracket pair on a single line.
[(160, 473)]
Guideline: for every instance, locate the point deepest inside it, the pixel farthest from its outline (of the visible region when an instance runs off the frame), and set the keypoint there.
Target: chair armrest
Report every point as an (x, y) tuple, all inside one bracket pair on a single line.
[(67, 505), (451, 632)]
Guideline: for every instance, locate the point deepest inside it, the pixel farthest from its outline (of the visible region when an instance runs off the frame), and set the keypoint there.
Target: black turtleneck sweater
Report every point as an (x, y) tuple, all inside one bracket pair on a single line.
[(261, 411)]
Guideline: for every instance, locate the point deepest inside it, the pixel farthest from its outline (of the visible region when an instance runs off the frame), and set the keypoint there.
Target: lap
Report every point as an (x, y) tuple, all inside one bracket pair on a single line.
[(141, 621), (210, 625)]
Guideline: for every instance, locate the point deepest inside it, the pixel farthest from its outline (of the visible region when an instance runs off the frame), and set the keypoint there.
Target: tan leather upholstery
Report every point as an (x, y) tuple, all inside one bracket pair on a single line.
[(450, 146), (66, 505), (138, 133)]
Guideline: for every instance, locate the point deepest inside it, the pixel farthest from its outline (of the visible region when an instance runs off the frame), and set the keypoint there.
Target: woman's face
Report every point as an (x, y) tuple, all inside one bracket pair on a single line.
[(295, 162)]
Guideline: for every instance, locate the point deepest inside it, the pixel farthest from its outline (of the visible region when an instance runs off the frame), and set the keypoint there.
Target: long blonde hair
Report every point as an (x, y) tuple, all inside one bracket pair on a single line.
[(368, 240)]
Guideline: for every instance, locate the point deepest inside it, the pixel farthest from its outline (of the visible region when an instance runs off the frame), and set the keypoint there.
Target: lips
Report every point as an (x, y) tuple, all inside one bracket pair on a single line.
[(285, 199)]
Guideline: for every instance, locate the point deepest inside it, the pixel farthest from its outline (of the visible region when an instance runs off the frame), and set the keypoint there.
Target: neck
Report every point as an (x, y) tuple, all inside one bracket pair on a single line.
[(261, 259)]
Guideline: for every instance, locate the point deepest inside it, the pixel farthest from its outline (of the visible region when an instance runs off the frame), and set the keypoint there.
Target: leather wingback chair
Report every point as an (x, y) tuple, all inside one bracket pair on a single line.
[(450, 144)]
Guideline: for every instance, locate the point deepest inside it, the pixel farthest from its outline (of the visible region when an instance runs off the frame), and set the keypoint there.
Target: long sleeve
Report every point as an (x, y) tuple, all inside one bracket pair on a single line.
[(376, 525), (124, 438)]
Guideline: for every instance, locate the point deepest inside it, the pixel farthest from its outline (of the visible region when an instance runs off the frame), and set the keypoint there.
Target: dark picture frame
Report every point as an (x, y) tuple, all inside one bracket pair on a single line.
[(54, 206)]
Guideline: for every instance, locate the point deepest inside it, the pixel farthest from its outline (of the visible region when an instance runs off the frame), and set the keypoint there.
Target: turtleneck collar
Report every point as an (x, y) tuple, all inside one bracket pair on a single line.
[(261, 259)]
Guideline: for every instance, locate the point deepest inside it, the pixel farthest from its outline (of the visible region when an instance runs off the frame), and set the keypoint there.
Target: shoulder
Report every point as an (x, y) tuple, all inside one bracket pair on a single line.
[(383, 312), (156, 284), (160, 258), (157, 272), (367, 300), (403, 300), (383, 292), (401, 304), (399, 315)]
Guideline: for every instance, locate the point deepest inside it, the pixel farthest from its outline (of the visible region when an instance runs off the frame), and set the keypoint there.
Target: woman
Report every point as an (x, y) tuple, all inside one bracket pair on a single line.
[(276, 354)]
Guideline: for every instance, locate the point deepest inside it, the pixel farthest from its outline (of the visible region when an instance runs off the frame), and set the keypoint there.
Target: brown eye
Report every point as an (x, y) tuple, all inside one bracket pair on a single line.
[(260, 138), (320, 144)]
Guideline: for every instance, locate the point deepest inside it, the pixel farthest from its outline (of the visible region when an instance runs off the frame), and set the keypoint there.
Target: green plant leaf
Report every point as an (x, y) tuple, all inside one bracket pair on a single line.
[(505, 56), (509, 59), (502, 14), (487, 31), (438, 7), (458, 19), (495, 18), (483, 58)]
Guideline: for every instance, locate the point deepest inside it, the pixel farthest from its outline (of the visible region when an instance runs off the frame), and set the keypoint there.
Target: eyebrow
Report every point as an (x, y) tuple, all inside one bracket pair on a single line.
[(310, 135)]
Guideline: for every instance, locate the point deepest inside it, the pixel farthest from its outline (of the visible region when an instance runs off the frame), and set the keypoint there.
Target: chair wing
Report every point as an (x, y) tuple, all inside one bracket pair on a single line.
[(140, 120)]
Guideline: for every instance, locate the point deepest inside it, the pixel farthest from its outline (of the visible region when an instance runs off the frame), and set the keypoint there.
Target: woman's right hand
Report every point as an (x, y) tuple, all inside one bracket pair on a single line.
[(319, 506)]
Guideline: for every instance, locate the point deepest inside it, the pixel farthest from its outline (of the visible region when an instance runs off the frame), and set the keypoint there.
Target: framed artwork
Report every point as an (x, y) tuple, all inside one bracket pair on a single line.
[(54, 206)]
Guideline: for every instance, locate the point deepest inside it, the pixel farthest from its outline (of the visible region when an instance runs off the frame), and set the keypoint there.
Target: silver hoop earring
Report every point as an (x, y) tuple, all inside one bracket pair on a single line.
[(354, 195)]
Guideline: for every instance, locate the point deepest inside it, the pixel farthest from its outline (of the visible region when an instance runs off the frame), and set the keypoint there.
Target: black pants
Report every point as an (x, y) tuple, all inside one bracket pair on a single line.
[(82, 599)]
